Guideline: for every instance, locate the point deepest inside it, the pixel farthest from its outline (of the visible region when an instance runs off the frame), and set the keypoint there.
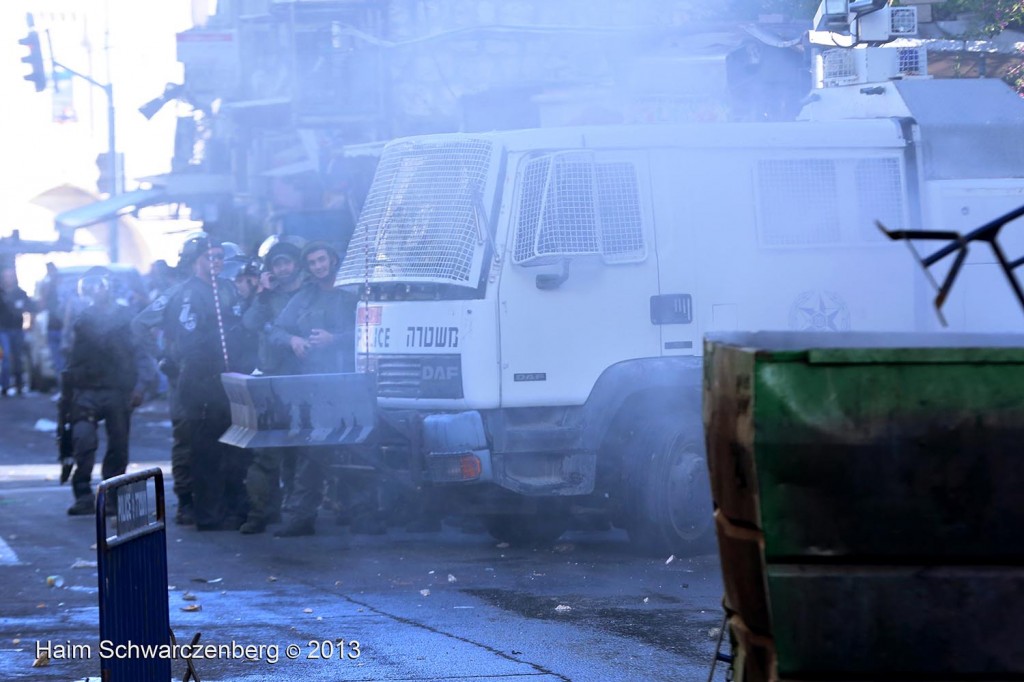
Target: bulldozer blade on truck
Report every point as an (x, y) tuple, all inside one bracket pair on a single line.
[(299, 410)]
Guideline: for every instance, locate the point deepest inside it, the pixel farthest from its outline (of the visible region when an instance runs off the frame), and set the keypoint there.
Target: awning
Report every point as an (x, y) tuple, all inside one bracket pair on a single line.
[(64, 198), (106, 209)]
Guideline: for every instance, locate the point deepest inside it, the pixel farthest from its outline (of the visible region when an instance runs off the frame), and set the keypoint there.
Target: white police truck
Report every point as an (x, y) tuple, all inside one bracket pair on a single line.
[(534, 301)]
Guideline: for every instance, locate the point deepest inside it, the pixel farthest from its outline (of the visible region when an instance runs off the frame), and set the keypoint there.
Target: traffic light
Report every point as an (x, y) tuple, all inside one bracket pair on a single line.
[(34, 59)]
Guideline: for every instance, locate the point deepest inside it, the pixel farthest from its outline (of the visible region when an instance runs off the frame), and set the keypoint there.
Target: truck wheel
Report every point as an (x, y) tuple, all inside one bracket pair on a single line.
[(670, 509), (528, 530)]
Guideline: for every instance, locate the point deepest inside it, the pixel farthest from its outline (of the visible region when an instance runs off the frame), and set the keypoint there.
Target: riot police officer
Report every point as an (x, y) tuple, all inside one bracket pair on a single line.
[(106, 372), (280, 281), (202, 325), (318, 328), (147, 326)]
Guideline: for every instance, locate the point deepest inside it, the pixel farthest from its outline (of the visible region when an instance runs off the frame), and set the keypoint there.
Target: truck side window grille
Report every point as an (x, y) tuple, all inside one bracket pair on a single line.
[(879, 196), (535, 177), (799, 202), (571, 205), (618, 197), (568, 222)]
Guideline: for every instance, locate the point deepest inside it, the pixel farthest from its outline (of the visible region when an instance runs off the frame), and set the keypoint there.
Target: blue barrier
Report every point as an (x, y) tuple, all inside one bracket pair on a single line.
[(132, 562)]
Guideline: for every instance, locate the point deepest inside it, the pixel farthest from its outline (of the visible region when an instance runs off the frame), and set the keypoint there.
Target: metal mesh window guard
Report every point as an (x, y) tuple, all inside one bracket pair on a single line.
[(535, 177), (903, 21), (618, 199), (571, 205), (913, 61), (879, 196), (799, 202), (838, 67), (419, 222)]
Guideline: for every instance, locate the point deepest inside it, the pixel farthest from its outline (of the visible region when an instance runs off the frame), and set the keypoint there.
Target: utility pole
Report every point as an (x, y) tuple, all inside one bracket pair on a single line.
[(38, 78), (113, 167)]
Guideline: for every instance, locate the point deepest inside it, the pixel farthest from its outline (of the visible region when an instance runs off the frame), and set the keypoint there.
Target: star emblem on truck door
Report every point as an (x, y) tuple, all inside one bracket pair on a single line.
[(819, 311)]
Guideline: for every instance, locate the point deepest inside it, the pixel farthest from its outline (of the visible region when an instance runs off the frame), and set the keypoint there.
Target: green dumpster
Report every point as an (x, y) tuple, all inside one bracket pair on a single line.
[(869, 503)]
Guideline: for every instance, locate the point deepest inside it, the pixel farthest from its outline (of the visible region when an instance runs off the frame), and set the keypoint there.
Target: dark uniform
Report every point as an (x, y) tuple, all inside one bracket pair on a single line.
[(14, 302), (153, 317), (314, 308), (264, 476), (104, 371), (334, 311), (195, 334), (259, 319), (245, 274)]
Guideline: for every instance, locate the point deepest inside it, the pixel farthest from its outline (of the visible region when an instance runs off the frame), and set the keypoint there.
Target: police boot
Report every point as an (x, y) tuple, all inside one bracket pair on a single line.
[(253, 525), (85, 505), (185, 516)]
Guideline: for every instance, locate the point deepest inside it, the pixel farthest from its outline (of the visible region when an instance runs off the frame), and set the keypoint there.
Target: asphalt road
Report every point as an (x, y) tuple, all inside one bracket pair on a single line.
[(432, 606)]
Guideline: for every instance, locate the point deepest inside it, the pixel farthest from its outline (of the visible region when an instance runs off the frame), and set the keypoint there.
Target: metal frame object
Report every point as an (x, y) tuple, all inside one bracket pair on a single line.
[(989, 232), (132, 567)]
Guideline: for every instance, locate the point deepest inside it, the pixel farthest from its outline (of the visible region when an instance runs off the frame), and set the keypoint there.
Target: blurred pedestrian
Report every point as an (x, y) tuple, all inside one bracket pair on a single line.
[(318, 328), (50, 301), (161, 277), (105, 374), (14, 303)]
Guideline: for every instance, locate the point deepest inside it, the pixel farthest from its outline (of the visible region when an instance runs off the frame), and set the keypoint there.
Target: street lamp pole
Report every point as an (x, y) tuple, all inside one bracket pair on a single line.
[(113, 166), (113, 228)]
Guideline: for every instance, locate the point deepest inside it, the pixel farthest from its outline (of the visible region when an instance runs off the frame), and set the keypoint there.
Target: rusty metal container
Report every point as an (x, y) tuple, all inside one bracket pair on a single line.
[(869, 493)]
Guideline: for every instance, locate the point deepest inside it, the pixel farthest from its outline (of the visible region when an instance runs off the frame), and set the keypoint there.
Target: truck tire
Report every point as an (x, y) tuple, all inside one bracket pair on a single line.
[(529, 530), (670, 508)]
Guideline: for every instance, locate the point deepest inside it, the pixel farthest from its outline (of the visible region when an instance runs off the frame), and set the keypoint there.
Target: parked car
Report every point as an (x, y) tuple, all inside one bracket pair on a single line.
[(128, 289)]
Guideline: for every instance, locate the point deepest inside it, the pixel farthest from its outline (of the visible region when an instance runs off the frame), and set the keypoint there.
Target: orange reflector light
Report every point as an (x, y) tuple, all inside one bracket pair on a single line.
[(469, 466)]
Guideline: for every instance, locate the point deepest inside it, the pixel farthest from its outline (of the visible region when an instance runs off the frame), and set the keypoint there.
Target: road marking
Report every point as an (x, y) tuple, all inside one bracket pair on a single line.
[(47, 473), (7, 555), (34, 489)]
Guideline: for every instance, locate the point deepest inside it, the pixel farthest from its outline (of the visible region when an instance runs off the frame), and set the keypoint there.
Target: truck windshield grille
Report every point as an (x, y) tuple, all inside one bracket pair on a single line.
[(422, 221)]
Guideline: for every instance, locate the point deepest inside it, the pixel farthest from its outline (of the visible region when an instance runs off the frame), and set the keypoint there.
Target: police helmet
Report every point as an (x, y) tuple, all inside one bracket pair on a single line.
[(242, 266), (196, 244), (332, 252), (273, 240), (232, 251), (282, 250), (95, 282)]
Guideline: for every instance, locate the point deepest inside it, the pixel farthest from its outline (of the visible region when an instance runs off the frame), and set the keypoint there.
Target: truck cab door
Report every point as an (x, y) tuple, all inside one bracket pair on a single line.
[(578, 275)]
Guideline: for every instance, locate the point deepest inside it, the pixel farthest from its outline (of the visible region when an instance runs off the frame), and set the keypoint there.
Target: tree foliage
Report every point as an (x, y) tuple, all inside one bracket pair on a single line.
[(750, 10), (989, 16)]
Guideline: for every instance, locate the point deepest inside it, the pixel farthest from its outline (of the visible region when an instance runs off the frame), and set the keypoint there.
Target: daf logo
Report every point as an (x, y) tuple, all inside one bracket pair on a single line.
[(439, 373)]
